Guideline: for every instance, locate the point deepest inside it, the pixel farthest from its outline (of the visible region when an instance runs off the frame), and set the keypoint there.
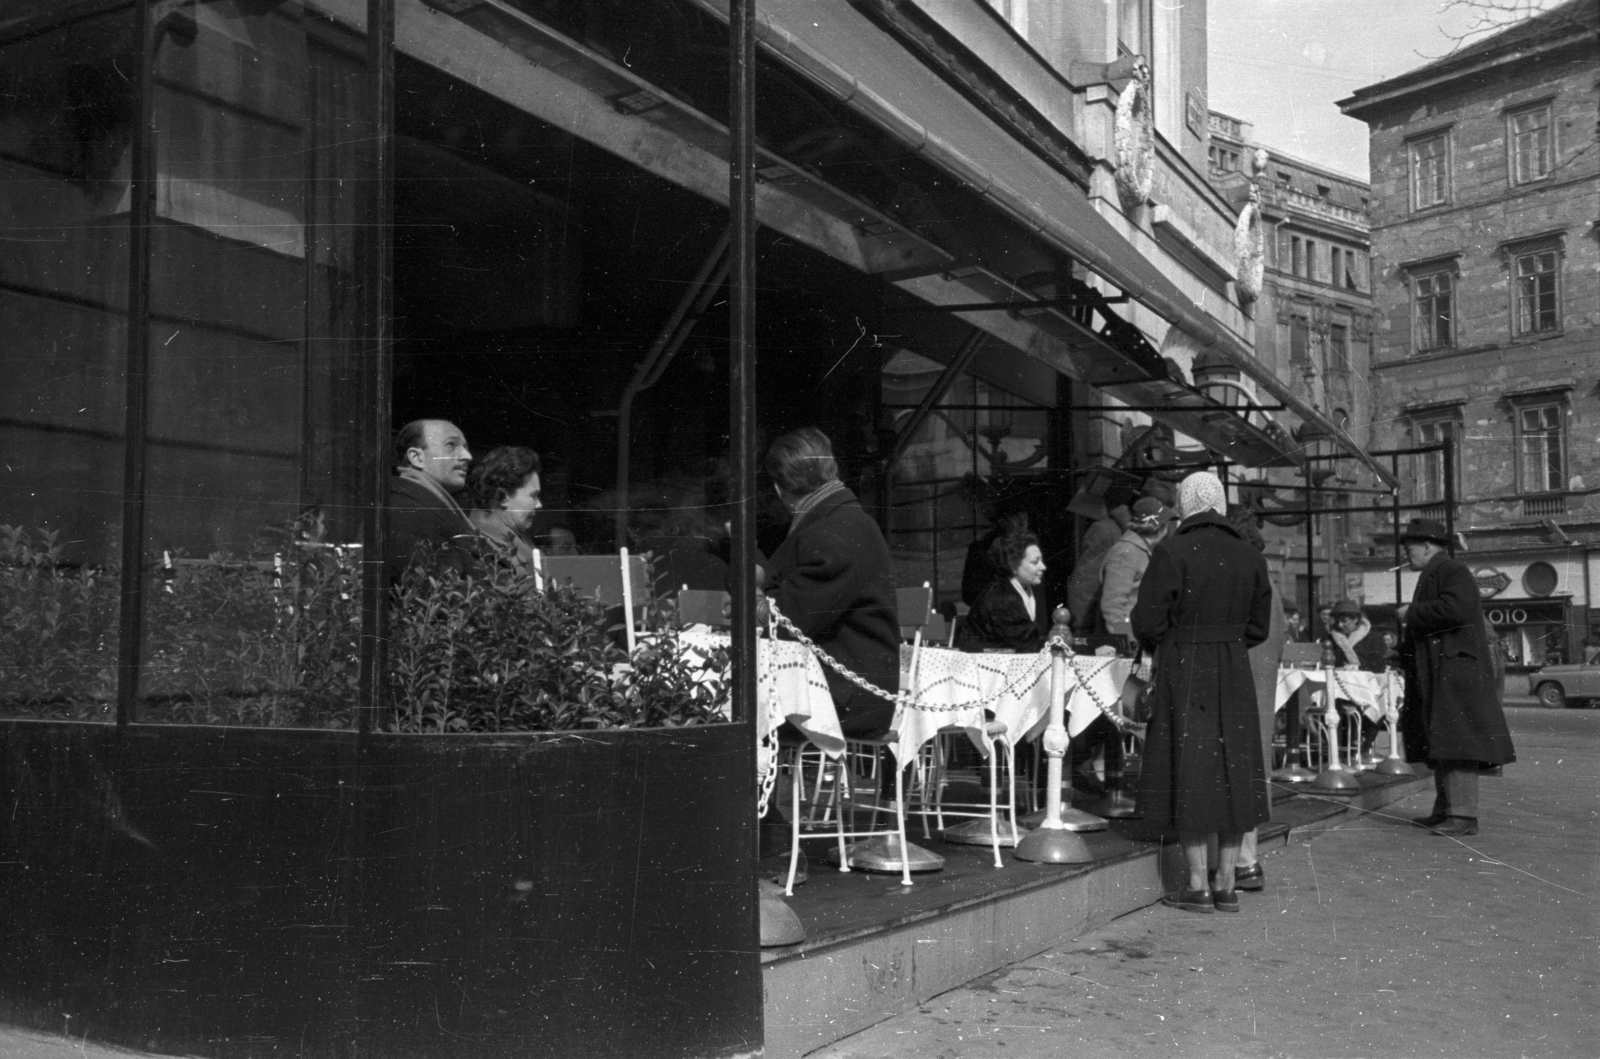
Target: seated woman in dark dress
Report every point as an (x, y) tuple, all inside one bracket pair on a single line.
[(1011, 614)]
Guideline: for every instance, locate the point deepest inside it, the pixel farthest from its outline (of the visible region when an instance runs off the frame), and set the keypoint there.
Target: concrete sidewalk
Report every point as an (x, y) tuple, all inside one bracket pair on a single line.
[(1374, 938)]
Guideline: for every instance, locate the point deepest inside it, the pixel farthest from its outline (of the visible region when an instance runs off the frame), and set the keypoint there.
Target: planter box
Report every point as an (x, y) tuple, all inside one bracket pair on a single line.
[(255, 892)]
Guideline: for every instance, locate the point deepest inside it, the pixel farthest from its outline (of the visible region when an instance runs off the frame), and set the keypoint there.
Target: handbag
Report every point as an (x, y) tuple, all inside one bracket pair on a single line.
[(1137, 691)]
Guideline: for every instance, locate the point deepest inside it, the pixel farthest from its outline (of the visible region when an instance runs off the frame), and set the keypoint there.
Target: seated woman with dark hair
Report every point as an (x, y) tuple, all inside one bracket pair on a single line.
[(1011, 614), (501, 498)]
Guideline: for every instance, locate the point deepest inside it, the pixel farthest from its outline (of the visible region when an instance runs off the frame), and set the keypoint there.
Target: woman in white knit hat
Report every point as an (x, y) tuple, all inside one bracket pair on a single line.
[(1204, 601)]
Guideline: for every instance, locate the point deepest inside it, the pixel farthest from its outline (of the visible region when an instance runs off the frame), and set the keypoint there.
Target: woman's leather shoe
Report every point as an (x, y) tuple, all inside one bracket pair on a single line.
[(1225, 900), (1251, 878), (1457, 827), (1190, 900)]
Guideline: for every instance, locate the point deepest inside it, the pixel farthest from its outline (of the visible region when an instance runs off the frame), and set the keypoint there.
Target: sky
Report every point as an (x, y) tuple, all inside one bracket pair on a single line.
[(1282, 65)]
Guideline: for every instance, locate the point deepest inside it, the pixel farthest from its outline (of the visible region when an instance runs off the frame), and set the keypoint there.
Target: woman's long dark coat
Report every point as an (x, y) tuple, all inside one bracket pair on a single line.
[(1204, 601), (1452, 711)]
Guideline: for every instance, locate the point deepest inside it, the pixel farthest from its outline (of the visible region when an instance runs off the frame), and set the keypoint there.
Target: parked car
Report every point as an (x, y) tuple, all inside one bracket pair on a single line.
[(1567, 684)]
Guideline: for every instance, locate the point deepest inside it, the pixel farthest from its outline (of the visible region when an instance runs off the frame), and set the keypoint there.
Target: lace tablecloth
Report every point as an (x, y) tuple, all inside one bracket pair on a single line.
[(1366, 690), (1015, 688), (790, 686)]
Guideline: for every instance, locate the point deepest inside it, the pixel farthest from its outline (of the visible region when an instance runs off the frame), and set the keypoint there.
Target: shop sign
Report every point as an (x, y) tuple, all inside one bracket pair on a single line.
[(1491, 582)]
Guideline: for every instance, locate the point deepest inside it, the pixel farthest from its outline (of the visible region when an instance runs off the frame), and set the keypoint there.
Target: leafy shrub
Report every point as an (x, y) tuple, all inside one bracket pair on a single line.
[(492, 653), (273, 641), (58, 630)]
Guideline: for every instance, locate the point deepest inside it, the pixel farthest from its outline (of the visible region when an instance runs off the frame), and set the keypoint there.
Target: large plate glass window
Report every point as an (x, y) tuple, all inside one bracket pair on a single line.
[(253, 447), (67, 115), (980, 444)]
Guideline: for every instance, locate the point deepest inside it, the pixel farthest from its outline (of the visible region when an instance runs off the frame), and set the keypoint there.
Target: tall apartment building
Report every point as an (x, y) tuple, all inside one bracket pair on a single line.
[(1485, 177), (1314, 325)]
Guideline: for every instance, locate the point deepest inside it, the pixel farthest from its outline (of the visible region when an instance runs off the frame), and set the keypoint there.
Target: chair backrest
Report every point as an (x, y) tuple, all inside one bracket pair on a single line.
[(599, 576), (915, 606), (938, 630), (699, 606)]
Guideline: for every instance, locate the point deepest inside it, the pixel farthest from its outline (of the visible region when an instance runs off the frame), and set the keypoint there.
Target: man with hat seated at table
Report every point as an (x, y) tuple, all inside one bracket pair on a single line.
[(1352, 644), (1452, 717)]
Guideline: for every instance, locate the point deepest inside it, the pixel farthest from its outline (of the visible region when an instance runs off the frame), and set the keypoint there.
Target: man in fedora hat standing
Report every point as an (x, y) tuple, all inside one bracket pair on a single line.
[(1452, 717)]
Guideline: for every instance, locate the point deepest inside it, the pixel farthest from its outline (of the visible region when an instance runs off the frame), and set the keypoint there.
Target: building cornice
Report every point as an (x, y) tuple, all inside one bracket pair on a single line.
[(1557, 37)]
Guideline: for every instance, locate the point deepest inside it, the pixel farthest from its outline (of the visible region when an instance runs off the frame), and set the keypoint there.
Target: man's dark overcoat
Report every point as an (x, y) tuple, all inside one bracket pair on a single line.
[(1452, 711), (831, 577), (423, 528), (1204, 601), (1000, 620)]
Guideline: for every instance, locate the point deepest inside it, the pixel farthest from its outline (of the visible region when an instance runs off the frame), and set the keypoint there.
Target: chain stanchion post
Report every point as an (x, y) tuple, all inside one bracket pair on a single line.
[(1395, 764), (1052, 842), (1335, 779)]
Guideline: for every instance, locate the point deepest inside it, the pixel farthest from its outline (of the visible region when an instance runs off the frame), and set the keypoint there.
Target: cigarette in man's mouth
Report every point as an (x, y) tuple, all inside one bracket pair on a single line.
[(1402, 566)]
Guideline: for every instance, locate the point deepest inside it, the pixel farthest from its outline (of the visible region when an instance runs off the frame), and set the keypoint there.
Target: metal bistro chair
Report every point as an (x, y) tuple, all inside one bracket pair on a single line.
[(892, 852), (612, 579), (1318, 739), (934, 775)]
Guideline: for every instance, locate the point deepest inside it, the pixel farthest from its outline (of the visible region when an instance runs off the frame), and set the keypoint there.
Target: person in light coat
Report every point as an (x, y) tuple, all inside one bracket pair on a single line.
[(1125, 564)]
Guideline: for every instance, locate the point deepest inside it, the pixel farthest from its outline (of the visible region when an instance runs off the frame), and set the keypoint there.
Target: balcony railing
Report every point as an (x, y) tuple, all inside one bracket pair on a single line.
[(1543, 506)]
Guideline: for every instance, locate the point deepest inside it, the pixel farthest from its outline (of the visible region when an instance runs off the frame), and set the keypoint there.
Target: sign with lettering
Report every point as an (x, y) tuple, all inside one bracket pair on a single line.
[(1491, 582)]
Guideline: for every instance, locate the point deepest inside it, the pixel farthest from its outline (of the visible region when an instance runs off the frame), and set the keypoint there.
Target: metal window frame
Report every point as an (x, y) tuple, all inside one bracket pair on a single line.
[(1522, 319), (1442, 159), (1513, 152), (1418, 316), (1523, 435)]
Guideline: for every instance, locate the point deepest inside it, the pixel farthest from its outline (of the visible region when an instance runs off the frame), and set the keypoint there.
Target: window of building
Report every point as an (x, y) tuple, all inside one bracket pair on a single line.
[(1313, 263), (1131, 27), (1299, 342), (1430, 171), (1295, 251), (1541, 441), (1338, 348), (1434, 295), (1428, 472), (1538, 307), (1529, 133)]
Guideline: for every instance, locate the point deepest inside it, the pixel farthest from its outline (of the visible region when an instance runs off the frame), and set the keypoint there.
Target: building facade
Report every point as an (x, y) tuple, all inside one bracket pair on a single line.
[(1486, 271), (241, 240), (1314, 324)]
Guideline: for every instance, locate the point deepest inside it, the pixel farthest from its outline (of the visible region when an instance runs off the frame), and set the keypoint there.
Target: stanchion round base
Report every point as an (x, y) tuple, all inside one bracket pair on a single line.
[(1336, 781), (883, 855), (779, 924), (1394, 766), (1371, 760), (1053, 846), (1294, 774), (1078, 820), (979, 833), (1116, 807), (1072, 819)]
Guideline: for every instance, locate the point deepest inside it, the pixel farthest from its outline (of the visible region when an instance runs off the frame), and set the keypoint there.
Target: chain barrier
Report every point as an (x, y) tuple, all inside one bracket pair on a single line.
[(906, 699)]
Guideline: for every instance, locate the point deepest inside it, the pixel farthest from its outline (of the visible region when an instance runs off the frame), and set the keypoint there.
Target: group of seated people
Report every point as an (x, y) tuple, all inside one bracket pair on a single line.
[(449, 508)]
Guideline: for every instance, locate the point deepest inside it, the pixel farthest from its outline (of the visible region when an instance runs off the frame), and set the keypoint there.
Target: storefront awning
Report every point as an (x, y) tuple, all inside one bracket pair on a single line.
[(841, 50)]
